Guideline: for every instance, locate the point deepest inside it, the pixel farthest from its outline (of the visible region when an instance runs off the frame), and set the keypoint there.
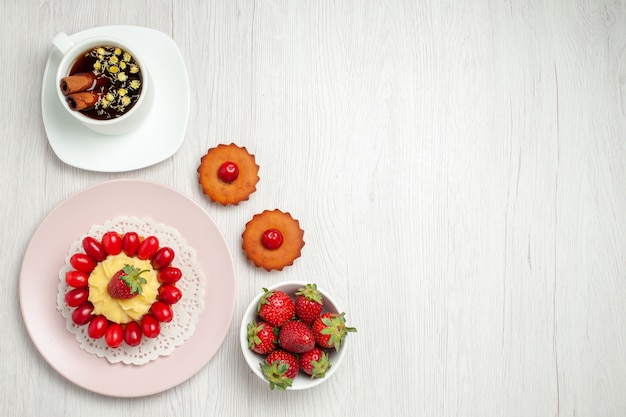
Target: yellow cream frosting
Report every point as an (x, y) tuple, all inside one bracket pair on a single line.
[(121, 311)]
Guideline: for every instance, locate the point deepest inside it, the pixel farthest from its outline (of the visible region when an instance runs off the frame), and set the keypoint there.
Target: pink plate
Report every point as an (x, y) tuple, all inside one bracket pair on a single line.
[(46, 254)]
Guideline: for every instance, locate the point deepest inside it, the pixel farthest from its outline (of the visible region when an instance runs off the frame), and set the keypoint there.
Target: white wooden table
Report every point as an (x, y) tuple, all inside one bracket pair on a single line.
[(458, 167)]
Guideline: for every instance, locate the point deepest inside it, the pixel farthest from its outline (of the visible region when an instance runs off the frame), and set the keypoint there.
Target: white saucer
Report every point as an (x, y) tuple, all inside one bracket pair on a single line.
[(156, 140)]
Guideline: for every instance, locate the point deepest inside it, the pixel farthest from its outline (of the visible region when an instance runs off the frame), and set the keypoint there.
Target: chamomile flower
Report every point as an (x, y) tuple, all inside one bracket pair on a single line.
[(124, 76)]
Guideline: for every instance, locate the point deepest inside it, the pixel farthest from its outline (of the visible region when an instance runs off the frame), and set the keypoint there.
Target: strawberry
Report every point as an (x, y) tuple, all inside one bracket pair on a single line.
[(275, 307), (330, 330), (314, 362), (280, 368), (126, 283), (261, 337), (308, 303), (296, 337)]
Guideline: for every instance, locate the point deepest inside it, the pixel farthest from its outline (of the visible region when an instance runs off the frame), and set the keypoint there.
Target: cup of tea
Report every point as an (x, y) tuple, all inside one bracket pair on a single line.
[(103, 83)]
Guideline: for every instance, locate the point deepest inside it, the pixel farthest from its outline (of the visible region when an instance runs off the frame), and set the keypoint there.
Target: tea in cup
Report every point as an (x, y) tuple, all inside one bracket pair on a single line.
[(103, 83)]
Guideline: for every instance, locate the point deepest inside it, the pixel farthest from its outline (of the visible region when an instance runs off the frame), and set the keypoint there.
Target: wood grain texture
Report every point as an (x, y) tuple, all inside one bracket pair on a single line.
[(458, 169)]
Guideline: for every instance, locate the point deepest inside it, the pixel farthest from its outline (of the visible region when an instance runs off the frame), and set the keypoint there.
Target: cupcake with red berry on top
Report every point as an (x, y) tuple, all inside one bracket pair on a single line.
[(272, 240), (228, 174)]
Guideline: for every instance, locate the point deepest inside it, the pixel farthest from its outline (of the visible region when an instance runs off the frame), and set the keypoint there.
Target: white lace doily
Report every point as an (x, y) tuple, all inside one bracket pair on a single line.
[(186, 311)]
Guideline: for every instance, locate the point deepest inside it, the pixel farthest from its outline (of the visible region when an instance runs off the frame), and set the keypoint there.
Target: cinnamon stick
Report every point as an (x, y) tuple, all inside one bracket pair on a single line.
[(83, 100), (84, 81)]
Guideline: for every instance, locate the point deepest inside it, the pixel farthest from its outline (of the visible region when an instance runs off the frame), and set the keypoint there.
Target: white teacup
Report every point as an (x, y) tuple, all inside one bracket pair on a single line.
[(130, 119)]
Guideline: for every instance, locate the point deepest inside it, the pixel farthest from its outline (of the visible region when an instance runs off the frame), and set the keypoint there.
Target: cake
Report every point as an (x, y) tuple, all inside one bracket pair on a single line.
[(155, 324), (122, 287), (272, 240), (228, 174)]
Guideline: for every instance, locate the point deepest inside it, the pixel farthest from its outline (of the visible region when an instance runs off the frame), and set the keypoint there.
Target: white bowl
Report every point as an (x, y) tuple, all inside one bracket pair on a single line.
[(302, 380)]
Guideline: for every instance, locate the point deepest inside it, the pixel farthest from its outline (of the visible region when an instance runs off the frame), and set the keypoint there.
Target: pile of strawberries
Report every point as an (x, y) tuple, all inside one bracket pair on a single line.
[(295, 334)]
